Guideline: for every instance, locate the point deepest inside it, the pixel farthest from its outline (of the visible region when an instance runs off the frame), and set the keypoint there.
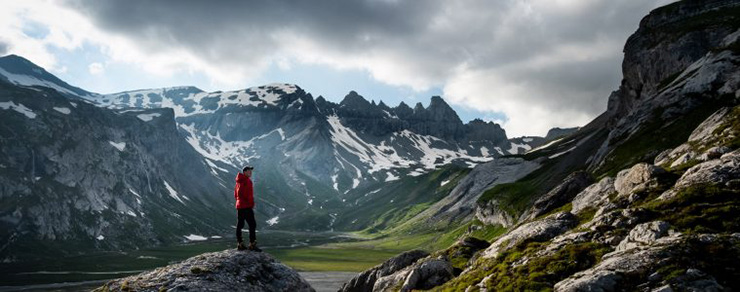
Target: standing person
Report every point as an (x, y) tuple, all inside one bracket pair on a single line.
[(244, 195)]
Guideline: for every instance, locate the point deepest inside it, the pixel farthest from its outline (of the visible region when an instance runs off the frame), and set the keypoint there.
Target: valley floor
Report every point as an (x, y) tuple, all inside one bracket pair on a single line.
[(326, 260)]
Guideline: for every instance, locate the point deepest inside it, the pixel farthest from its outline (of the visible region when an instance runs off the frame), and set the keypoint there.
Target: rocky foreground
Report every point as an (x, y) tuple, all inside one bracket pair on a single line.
[(228, 270)]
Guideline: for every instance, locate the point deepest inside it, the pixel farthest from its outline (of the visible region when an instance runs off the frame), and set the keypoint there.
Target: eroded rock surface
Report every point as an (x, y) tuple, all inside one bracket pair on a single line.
[(228, 270)]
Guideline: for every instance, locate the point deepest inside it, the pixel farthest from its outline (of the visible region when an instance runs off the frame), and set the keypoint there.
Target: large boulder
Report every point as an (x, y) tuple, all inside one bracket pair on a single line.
[(428, 274), (491, 213), (424, 274), (644, 234), (365, 281), (594, 196), (228, 270), (540, 230), (638, 177)]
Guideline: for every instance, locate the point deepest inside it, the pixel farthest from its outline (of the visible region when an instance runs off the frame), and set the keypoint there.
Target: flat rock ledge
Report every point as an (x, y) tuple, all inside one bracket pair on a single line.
[(228, 270)]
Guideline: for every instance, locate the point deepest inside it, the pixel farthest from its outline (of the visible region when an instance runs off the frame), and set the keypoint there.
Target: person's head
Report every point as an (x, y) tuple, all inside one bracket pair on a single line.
[(247, 170)]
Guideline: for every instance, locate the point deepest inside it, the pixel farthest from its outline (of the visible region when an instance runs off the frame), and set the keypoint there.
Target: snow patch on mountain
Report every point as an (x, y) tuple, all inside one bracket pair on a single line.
[(63, 110), (148, 117), (273, 220), (515, 148), (172, 192), (192, 101), (27, 80), (120, 146), (8, 105), (334, 182), (195, 237), (546, 145)]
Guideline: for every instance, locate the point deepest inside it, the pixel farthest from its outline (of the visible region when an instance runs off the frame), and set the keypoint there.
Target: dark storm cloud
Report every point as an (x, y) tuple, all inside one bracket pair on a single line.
[(561, 52)]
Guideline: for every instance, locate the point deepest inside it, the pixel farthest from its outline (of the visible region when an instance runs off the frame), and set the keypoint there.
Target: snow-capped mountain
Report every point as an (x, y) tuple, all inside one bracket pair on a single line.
[(312, 155), (341, 145), (76, 177), (19, 71)]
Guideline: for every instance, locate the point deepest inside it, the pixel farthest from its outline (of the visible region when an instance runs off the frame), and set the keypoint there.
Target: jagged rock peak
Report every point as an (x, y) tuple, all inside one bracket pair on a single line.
[(383, 106), (354, 100), (440, 110), (218, 271)]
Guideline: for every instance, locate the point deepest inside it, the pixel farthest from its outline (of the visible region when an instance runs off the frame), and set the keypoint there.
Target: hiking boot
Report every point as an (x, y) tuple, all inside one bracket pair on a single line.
[(241, 246), (253, 247)]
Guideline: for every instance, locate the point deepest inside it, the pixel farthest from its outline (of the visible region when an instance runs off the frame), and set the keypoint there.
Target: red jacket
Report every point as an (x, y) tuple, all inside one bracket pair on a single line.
[(243, 192)]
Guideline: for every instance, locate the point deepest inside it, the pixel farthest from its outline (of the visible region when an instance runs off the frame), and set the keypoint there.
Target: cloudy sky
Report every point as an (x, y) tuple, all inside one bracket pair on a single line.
[(527, 64)]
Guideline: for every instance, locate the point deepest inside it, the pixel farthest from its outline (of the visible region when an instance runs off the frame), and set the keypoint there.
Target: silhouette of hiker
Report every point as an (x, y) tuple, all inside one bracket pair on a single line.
[(244, 195)]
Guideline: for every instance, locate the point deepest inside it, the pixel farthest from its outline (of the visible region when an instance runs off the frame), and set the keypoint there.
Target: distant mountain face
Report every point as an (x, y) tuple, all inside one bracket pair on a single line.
[(76, 177), (178, 148), (356, 141), (320, 150)]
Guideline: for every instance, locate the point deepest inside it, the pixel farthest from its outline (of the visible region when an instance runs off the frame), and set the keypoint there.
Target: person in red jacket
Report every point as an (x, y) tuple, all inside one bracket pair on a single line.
[(244, 195)]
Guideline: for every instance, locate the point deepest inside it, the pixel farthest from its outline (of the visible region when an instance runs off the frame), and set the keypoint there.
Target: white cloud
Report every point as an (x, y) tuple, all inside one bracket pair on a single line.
[(542, 63), (96, 68)]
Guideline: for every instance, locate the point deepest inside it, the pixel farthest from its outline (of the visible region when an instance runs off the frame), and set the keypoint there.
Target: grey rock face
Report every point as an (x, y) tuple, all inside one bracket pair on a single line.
[(83, 172), (639, 177), (609, 274), (428, 275), (724, 171), (422, 275), (706, 129), (461, 202), (228, 270), (644, 234), (559, 195), (491, 213), (674, 72), (705, 142), (540, 230), (366, 280), (594, 196)]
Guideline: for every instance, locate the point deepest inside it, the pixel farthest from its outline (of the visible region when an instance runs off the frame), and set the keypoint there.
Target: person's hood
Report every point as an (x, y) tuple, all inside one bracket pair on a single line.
[(240, 178)]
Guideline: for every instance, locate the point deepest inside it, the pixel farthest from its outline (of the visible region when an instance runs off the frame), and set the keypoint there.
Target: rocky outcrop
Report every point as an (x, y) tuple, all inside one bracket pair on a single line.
[(425, 274), (644, 235), (594, 196), (228, 270), (540, 230), (724, 171), (558, 196), (664, 227), (710, 140), (491, 213), (365, 281), (680, 60), (460, 203), (637, 178)]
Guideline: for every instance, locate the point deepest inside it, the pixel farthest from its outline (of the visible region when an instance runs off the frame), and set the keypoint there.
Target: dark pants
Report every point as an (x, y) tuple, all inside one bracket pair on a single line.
[(248, 215)]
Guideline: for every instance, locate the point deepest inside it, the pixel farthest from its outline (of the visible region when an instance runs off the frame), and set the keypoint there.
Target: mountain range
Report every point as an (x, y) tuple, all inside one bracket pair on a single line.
[(155, 162)]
